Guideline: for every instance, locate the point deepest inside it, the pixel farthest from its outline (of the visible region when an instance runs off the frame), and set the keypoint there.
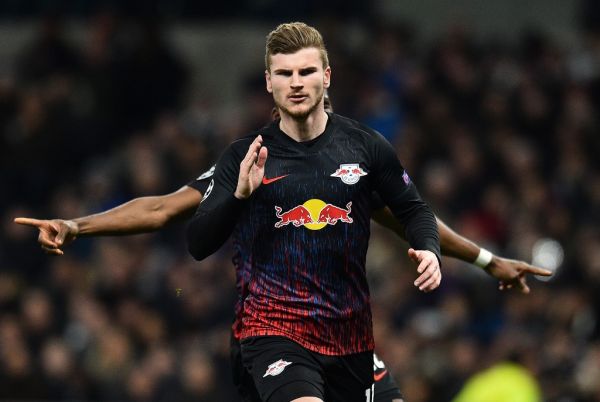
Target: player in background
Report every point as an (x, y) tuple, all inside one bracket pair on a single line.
[(148, 214)]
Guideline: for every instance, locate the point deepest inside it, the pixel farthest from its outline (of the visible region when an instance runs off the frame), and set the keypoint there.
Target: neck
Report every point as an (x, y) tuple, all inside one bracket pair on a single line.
[(304, 129)]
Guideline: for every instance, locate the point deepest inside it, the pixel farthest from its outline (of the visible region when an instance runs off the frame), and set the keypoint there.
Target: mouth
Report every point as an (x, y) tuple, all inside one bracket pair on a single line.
[(297, 98)]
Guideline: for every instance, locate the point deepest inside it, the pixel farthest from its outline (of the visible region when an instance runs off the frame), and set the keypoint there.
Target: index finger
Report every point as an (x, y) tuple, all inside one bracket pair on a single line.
[(252, 153), (254, 146), (530, 269), (29, 222), (425, 275)]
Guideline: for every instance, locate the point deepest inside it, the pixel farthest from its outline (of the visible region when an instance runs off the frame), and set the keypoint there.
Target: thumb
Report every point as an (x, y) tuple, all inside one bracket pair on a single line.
[(63, 231), (413, 254), (523, 285)]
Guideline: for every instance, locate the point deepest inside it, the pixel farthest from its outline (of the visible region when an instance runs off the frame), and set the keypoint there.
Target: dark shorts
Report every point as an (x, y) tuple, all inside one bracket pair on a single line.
[(241, 377), (386, 389), (283, 370)]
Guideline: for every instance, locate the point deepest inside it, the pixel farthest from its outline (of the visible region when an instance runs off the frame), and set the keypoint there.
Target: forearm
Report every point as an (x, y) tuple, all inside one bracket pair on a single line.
[(451, 243), (421, 231), (455, 245), (141, 215), (510, 273), (415, 222), (209, 229), (427, 225)]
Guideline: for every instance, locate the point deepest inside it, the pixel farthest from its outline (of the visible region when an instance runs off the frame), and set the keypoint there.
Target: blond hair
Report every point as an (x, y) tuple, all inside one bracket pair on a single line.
[(292, 37)]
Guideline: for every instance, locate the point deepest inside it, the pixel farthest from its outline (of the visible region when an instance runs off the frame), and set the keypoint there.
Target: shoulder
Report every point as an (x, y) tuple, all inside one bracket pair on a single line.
[(242, 143), (369, 139), (352, 127)]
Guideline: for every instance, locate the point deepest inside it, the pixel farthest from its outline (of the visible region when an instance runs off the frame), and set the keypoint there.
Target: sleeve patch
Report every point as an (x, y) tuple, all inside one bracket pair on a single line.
[(207, 174)]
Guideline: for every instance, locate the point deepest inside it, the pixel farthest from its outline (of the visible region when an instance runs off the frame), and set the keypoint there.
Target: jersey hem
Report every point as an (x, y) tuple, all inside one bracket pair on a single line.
[(328, 351)]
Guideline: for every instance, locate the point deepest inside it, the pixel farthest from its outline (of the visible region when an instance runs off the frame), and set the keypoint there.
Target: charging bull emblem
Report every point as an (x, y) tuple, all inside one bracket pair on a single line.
[(314, 214), (350, 173)]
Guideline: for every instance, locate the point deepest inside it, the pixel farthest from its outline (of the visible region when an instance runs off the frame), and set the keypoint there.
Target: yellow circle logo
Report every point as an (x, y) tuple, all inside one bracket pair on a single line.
[(315, 206), (314, 214)]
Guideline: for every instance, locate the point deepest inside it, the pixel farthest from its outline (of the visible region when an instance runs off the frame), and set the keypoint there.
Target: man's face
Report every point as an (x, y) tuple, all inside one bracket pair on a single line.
[(297, 82)]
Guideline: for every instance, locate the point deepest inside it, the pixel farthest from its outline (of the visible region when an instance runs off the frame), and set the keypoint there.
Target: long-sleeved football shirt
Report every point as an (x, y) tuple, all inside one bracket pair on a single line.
[(304, 232)]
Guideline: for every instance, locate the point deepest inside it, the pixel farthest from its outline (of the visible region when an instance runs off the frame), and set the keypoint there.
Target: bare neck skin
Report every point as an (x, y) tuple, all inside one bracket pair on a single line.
[(302, 130)]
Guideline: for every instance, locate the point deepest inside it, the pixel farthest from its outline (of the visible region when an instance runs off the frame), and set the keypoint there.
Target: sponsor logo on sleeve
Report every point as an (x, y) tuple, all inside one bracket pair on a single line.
[(207, 174), (208, 190)]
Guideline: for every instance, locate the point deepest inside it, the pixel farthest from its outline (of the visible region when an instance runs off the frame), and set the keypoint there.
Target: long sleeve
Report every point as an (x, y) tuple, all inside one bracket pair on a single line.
[(219, 210), (399, 193)]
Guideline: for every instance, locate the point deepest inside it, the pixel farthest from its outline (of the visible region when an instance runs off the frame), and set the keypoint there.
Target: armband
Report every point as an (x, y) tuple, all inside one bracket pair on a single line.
[(484, 258)]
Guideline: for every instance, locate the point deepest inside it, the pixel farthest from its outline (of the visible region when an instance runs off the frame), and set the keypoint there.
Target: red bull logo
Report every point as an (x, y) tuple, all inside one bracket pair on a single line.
[(314, 214), (297, 216)]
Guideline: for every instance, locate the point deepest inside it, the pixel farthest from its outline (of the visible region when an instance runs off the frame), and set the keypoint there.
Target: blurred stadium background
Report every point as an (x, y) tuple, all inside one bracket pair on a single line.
[(493, 107)]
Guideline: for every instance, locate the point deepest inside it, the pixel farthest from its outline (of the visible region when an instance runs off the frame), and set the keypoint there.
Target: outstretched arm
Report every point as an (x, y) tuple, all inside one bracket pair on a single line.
[(510, 273), (141, 215)]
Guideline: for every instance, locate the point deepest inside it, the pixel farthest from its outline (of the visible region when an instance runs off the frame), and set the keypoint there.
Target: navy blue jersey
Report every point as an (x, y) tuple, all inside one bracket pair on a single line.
[(304, 232), (242, 267)]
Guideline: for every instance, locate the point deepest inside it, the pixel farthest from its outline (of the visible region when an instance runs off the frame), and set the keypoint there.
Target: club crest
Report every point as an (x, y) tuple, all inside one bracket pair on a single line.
[(276, 368), (350, 173)]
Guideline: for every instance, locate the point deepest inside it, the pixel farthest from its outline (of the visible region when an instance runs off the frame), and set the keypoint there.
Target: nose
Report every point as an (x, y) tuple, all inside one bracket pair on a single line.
[(296, 81)]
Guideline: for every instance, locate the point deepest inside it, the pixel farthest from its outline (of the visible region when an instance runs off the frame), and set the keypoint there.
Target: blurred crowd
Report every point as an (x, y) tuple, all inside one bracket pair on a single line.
[(501, 139)]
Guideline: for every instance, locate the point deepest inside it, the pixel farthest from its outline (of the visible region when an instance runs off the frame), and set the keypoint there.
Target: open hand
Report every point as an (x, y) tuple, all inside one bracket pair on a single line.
[(252, 169), (428, 267)]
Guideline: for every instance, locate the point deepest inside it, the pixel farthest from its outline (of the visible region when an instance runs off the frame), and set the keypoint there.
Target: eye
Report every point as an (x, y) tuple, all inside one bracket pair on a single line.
[(307, 71)]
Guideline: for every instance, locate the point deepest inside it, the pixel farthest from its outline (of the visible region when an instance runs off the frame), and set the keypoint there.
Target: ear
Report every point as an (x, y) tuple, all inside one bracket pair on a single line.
[(268, 82), (327, 77)]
